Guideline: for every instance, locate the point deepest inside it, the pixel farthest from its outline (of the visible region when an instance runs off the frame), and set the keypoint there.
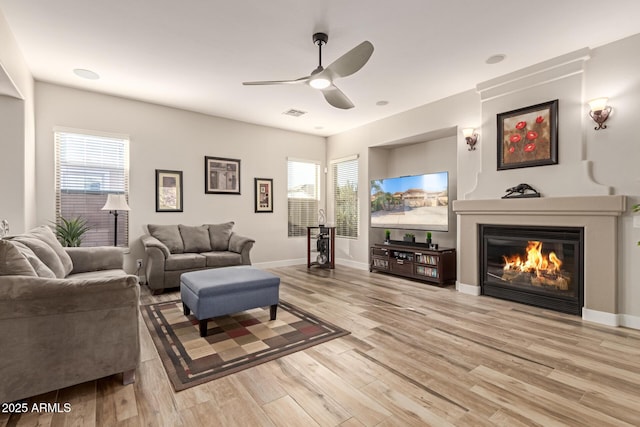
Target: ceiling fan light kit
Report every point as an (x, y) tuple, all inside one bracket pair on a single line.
[(322, 78)]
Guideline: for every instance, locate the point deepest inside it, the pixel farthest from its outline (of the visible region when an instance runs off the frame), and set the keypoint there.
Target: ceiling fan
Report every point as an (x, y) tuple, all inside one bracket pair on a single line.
[(322, 78)]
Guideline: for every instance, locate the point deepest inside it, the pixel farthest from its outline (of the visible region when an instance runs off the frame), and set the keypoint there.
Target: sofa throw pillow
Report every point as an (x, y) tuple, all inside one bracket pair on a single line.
[(220, 235), (12, 262), (195, 239), (40, 268), (46, 234), (44, 252), (169, 235)]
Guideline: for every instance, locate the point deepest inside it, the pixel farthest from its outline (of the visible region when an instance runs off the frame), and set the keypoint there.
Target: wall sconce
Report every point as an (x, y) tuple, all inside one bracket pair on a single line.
[(471, 136), (599, 112)]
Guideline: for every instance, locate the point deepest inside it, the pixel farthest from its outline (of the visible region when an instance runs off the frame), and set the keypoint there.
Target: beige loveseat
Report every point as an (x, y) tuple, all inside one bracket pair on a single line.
[(67, 315), (175, 249)]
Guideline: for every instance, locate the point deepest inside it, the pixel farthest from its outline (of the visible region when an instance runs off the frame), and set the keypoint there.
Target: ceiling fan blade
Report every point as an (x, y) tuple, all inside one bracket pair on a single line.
[(335, 97), (277, 82), (351, 61)]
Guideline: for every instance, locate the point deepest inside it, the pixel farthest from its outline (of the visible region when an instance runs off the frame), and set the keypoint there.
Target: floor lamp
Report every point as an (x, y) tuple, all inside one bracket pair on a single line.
[(115, 203)]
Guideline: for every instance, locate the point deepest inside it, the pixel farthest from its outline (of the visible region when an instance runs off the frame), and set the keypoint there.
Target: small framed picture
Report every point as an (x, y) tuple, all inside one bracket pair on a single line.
[(263, 194), (221, 176), (168, 191), (528, 136)]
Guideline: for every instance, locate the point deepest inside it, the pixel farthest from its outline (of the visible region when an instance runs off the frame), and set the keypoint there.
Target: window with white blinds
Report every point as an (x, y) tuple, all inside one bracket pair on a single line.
[(303, 194), (345, 196), (88, 168)]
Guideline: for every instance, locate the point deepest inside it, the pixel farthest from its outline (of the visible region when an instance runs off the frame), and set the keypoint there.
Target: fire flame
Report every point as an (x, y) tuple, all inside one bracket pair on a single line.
[(536, 261)]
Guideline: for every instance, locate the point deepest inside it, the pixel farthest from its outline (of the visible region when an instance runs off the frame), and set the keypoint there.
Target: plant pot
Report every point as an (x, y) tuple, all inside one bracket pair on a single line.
[(409, 239)]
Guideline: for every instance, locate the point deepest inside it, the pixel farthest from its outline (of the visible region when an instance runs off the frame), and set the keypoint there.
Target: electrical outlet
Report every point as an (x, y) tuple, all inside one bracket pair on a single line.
[(138, 263)]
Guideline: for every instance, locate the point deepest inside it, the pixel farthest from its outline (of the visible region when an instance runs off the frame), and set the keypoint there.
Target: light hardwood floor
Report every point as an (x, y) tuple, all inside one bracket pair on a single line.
[(417, 355)]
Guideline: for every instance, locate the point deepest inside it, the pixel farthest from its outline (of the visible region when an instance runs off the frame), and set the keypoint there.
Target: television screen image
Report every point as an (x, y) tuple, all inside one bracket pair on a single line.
[(417, 202)]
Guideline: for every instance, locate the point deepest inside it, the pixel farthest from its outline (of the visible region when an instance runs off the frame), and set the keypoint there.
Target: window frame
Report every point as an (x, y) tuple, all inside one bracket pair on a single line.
[(116, 178), (335, 163)]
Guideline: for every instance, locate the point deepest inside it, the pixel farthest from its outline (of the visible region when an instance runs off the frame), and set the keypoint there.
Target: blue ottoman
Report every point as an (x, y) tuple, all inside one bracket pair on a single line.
[(221, 291)]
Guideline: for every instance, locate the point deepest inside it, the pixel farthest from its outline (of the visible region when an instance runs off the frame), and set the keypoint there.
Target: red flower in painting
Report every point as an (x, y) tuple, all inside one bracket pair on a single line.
[(515, 138), (521, 125), (539, 119), (512, 149), (531, 135), (529, 147)]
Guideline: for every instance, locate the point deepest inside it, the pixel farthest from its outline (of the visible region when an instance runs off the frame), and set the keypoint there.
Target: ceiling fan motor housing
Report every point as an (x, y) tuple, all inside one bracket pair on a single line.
[(320, 38)]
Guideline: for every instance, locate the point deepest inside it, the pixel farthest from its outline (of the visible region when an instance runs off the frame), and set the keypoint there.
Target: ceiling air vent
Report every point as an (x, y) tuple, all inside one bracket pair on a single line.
[(294, 113)]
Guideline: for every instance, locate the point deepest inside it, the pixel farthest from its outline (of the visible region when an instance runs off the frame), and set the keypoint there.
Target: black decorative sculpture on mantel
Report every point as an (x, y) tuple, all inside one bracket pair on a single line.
[(520, 191)]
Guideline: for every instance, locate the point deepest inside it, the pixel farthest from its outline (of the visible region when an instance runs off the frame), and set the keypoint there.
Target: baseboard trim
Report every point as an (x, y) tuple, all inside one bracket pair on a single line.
[(467, 289), (629, 321), (601, 317), (282, 263), (353, 264)]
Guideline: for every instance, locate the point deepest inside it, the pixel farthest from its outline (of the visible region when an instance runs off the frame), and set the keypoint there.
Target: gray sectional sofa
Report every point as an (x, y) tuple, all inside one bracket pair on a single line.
[(67, 315), (175, 249)]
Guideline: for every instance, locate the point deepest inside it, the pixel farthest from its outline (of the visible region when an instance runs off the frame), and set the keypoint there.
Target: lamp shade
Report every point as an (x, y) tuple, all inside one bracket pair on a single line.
[(467, 132), (116, 202), (598, 104)]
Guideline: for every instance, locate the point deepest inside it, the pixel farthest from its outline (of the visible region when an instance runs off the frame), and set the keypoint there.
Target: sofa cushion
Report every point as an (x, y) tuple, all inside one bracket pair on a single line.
[(222, 259), (12, 262), (184, 261), (169, 235), (45, 234), (195, 239), (219, 235), (44, 252), (40, 268)]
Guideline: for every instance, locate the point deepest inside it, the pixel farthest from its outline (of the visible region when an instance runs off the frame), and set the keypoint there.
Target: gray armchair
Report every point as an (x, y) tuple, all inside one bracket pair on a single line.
[(58, 329)]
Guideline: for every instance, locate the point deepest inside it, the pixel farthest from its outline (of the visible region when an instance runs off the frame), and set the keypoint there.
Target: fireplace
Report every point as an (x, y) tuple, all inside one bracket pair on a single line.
[(541, 266), (597, 216)]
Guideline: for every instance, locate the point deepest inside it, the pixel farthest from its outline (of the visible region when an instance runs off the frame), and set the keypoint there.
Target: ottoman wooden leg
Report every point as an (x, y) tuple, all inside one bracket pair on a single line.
[(203, 328), (274, 309), (185, 309)]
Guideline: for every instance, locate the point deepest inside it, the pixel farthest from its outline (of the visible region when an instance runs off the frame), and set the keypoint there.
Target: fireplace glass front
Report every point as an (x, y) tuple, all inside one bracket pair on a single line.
[(540, 266)]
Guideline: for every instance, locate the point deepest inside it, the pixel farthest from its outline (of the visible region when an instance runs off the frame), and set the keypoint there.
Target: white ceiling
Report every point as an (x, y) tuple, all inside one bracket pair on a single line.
[(194, 54)]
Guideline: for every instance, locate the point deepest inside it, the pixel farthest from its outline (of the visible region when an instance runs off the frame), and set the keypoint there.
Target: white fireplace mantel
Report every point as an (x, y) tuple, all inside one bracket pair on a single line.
[(598, 215)]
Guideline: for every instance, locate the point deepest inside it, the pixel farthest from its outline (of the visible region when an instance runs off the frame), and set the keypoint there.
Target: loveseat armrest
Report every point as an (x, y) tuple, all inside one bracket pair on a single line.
[(27, 296), (95, 258), (157, 254), (148, 241), (241, 245)]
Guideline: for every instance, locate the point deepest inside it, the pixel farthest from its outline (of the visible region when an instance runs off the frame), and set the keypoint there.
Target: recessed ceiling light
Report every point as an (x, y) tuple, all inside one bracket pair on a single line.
[(86, 74), (382, 103), (319, 127), (494, 59)]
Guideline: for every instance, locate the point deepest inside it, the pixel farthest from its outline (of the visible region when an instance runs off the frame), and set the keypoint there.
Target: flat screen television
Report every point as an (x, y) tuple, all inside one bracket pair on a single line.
[(416, 202)]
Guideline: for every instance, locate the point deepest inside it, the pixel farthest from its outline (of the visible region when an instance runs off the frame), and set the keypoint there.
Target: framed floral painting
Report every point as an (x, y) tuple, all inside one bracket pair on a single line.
[(528, 136)]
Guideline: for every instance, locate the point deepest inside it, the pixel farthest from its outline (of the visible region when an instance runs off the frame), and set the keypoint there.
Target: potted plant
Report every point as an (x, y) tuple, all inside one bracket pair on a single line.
[(387, 235), (409, 237), (428, 237), (70, 231)]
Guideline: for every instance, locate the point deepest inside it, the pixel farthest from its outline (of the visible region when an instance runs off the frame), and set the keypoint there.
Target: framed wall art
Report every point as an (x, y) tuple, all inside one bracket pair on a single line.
[(528, 136), (263, 194), (221, 176), (168, 191)]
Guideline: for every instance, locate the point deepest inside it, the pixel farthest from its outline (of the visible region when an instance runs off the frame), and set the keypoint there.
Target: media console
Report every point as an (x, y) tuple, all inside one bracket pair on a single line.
[(435, 266)]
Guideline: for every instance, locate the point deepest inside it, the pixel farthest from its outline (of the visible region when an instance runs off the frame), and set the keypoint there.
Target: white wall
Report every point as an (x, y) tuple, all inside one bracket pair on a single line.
[(590, 162), (17, 150), (168, 138), (427, 123)]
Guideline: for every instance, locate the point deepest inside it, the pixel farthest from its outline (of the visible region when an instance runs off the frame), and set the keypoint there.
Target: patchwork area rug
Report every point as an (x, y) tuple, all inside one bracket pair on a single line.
[(233, 343)]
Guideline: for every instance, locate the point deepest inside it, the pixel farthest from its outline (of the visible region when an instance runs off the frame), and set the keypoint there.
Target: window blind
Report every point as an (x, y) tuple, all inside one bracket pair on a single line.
[(303, 194), (345, 196), (88, 168)]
